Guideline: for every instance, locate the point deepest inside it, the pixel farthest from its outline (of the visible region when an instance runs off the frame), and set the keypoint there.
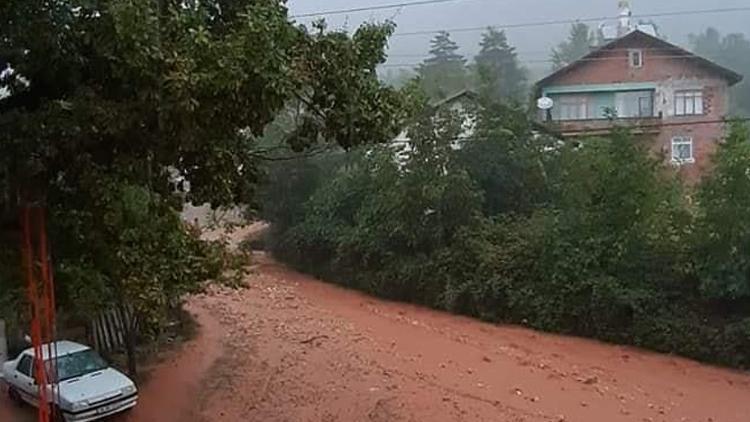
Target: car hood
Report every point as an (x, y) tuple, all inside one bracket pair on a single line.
[(94, 387)]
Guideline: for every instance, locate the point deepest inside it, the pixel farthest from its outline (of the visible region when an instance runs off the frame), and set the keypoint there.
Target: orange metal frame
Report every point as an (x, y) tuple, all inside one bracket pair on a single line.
[(40, 290)]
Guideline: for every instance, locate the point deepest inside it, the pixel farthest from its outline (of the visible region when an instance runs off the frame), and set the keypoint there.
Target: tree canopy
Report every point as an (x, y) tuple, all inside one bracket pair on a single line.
[(121, 111), (595, 237), (444, 72), (725, 197), (500, 75)]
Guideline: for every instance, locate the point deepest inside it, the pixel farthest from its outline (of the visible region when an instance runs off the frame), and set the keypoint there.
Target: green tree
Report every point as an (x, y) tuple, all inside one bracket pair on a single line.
[(577, 45), (591, 238), (382, 222), (601, 258), (123, 110), (500, 75), (124, 246), (732, 51), (723, 224), (506, 158), (444, 72)]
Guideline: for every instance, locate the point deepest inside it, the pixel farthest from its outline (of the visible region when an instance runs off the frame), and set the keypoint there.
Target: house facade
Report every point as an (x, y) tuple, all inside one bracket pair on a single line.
[(662, 92), (463, 103)]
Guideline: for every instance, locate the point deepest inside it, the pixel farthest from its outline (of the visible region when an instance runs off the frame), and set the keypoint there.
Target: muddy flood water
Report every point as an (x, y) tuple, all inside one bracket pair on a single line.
[(291, 348)]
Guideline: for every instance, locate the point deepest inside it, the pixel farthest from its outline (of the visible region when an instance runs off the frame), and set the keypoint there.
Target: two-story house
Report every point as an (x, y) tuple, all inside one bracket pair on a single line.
[(675, 98)]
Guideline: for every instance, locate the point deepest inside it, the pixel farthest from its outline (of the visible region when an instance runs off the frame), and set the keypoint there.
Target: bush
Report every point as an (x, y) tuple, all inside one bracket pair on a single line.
[(506, 160), (603, 246), (723, 223), (383, 220)]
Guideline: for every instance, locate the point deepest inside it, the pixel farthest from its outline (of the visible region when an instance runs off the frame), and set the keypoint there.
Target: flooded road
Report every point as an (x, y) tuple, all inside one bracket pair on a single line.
[(290, 348)]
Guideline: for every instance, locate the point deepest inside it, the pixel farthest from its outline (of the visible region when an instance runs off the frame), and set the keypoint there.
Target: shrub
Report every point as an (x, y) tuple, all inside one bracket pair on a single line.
[(723, 222), (604, 249)]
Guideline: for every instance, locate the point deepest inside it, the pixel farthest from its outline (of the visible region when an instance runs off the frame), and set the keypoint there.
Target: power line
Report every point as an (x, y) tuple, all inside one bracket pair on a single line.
[(503, 26), (571, 21), (590, 59), (530, 52), (369, 8)]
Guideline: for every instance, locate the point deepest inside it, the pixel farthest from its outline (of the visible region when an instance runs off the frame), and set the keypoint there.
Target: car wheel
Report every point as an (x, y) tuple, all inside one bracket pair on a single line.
[(14, 396)]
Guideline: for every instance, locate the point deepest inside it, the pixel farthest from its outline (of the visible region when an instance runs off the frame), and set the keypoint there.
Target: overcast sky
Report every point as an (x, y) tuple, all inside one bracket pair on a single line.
[(533, 43)]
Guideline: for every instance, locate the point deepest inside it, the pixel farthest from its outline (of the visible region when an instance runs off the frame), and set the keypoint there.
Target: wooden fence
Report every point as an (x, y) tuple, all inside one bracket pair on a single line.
[(109, 328)]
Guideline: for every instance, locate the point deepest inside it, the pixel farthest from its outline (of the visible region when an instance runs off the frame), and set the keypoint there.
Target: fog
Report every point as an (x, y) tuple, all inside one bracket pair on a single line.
[(533, 43)]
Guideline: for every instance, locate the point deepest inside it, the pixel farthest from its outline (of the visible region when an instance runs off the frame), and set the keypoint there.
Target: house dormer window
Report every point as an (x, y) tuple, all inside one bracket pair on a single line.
[(635, 58)]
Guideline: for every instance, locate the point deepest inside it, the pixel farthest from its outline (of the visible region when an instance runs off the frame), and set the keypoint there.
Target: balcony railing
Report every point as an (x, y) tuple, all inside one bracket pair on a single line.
[(593, 127)]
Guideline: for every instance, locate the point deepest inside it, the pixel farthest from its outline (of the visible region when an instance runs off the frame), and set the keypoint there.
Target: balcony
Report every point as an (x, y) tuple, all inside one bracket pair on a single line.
[(596, 127)]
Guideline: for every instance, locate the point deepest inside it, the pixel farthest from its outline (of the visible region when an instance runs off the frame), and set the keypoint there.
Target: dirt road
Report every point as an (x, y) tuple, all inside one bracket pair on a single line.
[(289, 348), (296, 349)]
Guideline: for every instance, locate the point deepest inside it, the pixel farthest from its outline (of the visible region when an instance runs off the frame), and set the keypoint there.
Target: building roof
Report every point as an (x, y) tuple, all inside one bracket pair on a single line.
[(463, 94), (60, 348), (731, 76)]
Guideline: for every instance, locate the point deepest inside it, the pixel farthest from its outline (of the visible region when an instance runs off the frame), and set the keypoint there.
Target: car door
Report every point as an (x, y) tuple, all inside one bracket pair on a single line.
[(23, 379)]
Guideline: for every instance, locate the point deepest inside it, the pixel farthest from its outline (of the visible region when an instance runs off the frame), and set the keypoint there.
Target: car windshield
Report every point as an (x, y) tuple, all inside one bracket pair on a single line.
[(77, 364)]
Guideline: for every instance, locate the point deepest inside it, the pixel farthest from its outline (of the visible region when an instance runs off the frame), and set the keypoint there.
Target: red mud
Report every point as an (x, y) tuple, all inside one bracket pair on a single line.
[(296, 349), (170, 393)]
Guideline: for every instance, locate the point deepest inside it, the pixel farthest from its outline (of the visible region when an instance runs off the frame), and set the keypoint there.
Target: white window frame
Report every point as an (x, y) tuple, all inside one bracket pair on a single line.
[(635, 58), (681, 141), (688, 102)]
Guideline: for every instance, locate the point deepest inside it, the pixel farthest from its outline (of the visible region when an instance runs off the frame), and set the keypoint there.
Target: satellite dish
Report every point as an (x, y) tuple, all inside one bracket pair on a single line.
[(545, 103)]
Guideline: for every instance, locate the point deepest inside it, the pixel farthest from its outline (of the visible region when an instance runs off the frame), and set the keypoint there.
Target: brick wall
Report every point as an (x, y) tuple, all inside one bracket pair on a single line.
[(671, 74), (613, 67), (705, 139)]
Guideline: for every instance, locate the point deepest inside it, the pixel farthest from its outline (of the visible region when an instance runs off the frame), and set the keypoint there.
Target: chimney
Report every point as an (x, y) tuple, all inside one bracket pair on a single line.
[(624, 25)]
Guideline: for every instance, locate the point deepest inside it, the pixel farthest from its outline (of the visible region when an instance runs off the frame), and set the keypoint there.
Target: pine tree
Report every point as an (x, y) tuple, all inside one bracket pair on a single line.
[(444, 73), (577, 45), (500, 76)]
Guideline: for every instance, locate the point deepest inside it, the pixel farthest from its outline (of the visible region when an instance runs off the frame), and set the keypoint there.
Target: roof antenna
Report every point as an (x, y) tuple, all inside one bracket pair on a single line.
[(625, 14)]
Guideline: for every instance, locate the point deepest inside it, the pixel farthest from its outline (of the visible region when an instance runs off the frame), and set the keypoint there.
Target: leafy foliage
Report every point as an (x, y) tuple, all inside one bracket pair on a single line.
[(505, 159), (590, 259), (722, 226), (382, 221), (595, 238), (121, 111), (136, 250)]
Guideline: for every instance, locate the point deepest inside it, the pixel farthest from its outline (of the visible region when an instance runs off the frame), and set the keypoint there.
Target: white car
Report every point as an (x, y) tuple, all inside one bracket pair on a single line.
[(87, 389)]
